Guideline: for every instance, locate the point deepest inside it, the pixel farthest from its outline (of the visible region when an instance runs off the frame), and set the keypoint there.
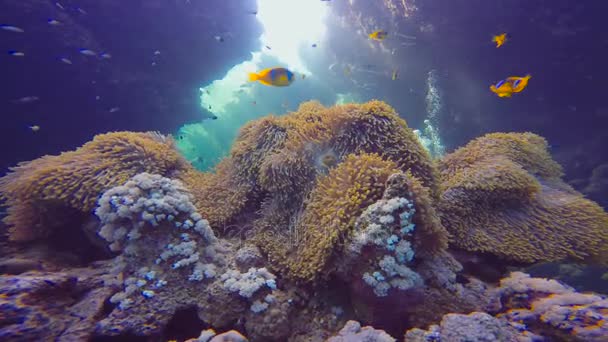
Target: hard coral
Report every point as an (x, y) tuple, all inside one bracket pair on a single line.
[(353, 332), (34, 190), (44, 306), (553, 309), (476, 326), (503, 195)]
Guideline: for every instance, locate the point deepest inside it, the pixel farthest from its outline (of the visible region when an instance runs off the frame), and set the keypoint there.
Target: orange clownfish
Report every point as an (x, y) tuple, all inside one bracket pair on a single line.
[(278, 77), (378, 35), (510, 85), (500, 39)]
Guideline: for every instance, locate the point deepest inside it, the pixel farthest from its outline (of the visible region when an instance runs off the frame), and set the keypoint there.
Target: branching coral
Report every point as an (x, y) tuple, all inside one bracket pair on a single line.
[(40, 192), (503, 195)]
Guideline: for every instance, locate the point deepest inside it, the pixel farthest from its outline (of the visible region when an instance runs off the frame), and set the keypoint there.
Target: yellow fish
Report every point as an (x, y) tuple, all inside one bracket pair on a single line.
[(395, 74), (378, 35), (500, 39), (278, 77), (510, 85)]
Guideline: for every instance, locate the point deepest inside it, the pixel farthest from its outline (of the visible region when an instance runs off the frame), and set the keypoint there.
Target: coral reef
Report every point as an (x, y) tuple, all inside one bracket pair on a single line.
[(219, 196), (169, 254), (353, 331), (553, 309), (392, 231), (318, 220), (52, 306), (474, 327), (44, 193), (503, 195), (332, 209), (301, 155), (211, 336)]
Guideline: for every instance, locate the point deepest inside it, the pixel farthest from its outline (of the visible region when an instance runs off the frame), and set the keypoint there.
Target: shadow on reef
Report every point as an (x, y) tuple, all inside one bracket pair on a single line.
[(315, 219)]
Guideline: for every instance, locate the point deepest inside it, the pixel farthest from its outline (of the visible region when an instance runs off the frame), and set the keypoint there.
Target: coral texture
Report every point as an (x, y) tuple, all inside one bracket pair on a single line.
[(338, 216), (331, 211), (40, 193), (353, 332), (170, 260), (218, 195), (386, 234), (474, 327), (553, 309), (503, 195), (60, 306)]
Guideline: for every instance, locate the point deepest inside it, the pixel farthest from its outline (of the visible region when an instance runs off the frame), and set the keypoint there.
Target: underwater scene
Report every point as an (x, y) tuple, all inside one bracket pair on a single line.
[(303, 170)]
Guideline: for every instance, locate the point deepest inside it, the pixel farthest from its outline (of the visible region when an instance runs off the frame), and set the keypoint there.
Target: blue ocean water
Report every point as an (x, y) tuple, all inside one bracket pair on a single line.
[(163, 52), (71, 69)]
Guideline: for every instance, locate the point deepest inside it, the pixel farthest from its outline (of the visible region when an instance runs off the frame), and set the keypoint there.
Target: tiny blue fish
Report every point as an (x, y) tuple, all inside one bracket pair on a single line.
[(88, 52), (53, 22), (26, 99), (16, 53), (11, 28)]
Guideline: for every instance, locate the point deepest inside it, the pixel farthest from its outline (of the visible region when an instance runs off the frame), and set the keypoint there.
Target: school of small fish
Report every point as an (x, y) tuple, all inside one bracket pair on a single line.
[(276, 76), (63, 59)]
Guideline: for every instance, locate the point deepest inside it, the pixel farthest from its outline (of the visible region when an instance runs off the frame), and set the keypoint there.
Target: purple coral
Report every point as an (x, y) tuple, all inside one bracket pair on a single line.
[(353, 332)]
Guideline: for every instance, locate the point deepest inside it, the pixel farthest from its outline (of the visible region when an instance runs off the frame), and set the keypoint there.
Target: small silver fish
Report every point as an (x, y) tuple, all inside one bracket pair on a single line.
[(81, 10), (114, 109), (66, 61), (88, 52), (60, 6), (26, 99), (156, 53), (16, 53), (34, 128), (12, 28), (54, 22), (105, 55)]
